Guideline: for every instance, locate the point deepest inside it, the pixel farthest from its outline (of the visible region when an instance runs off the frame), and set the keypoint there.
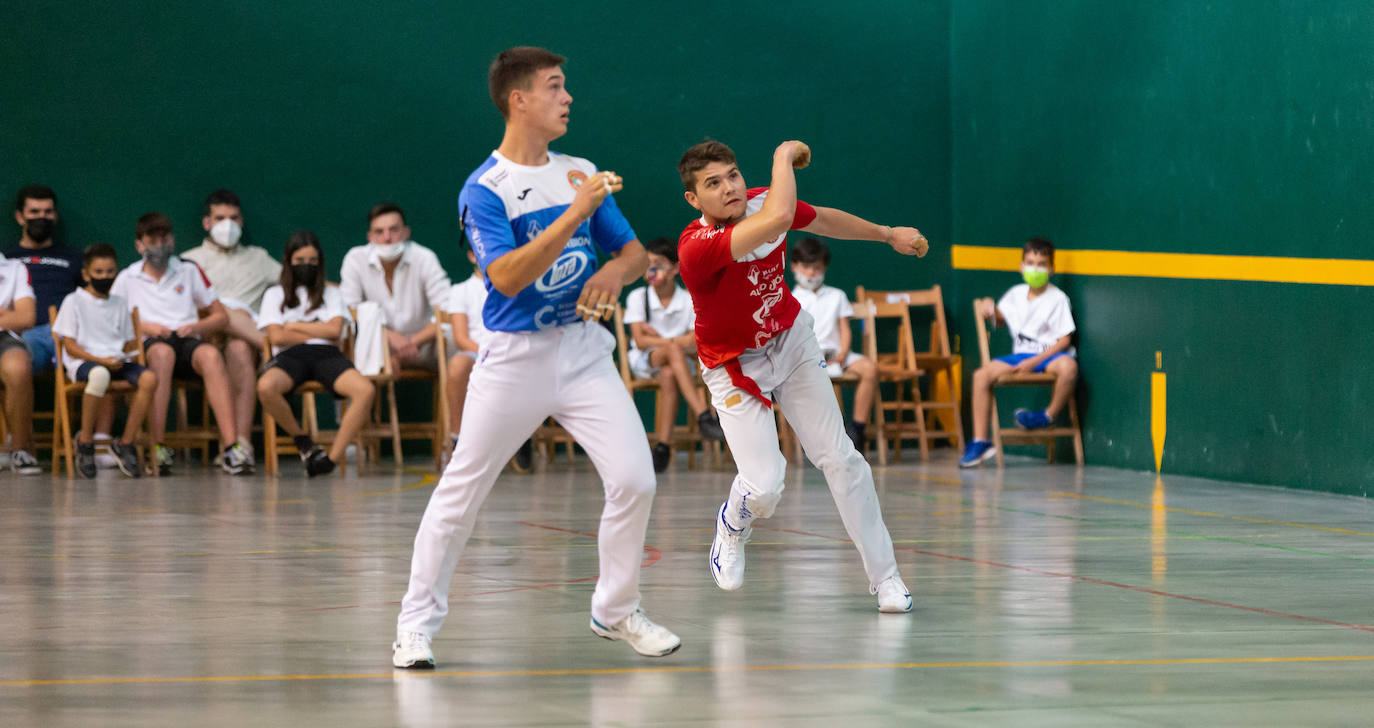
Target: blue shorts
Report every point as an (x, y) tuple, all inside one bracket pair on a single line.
[(130, 372), (1014, 359)]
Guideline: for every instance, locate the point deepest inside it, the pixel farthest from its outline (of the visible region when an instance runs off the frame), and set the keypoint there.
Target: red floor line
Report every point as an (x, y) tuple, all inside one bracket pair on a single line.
[(1102, 582)]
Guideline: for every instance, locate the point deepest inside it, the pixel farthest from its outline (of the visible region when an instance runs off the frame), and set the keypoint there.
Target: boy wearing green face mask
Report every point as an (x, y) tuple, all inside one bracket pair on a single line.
[(1037, 315)]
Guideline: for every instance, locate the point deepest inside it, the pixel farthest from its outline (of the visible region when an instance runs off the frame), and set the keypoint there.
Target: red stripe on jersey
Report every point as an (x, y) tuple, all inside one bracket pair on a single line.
[(203, 277)]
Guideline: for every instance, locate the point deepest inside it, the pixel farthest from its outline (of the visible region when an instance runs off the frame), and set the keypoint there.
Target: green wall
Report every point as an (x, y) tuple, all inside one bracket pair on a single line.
[(1239, 127)]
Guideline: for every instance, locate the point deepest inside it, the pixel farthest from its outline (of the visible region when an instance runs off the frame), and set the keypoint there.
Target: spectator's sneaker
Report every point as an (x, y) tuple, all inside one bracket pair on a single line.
[(247, 446), (105, 459), (126, 458), (319, 462), (727, 553), (411, 651), (641, 634), (24, 463), (857, 435), (523, 462), (709, 425), (309, 453), (85, 459), (162, 458), (893, 596), (1032, 419), (976, 453), (663, 456), (236, 461)]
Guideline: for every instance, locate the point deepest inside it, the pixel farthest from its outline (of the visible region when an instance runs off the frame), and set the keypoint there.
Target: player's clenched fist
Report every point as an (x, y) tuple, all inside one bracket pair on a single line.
[(909, 241), (794, 152), (591, 193)]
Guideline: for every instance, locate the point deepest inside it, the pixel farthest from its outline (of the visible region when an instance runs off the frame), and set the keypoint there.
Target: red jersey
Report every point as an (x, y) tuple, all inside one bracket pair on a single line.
[(740, 304)]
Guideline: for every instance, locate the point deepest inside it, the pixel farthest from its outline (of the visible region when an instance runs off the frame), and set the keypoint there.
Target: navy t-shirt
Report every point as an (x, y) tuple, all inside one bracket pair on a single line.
[(55, 271)]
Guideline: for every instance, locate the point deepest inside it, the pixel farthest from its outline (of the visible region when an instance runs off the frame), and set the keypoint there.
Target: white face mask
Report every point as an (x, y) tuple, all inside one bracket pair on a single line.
[(226, 233), (809, 283), (390, 252)]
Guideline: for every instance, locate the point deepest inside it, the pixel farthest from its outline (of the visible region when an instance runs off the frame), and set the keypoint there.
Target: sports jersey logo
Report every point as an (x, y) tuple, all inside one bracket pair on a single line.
[(563, 272), (576, 178), (179, 289)]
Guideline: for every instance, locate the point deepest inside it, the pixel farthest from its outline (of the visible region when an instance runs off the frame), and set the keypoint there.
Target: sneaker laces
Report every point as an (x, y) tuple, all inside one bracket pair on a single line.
[(412, 640), (894, 581)]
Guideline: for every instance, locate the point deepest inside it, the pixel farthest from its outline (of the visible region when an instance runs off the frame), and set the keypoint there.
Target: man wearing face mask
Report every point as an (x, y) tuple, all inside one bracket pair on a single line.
[(54, 268), (240, 274), (405, 278)]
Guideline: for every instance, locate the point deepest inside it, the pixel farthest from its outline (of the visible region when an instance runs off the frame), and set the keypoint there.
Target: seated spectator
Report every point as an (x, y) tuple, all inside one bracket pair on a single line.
[(829, 307), (240, 274), (405, 278), (16, 365), (663, 345), (99, 341), (54, 268), (1037, 315), (170, 294), (304, 327)]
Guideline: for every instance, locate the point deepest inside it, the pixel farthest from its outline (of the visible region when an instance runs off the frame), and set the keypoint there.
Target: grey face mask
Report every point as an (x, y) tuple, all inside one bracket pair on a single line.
[(156, 256)]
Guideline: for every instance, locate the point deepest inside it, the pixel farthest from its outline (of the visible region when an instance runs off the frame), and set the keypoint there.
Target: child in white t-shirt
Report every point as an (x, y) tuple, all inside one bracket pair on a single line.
[(304, 331), (98, 342), (1037, 316), (829, 307), (663, 342)]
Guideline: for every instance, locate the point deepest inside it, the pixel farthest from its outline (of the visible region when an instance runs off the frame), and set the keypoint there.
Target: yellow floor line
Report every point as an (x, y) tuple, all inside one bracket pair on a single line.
[(695, 669), (1063, 494), (426, 478)]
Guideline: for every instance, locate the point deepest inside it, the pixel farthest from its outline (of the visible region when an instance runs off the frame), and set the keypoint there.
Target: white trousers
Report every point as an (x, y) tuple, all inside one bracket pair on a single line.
[(792, 369), (520, 379)]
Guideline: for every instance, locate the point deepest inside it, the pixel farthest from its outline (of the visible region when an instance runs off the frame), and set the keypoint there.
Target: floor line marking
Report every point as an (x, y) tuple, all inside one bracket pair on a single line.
[(955, 665), (426, 478), (1173, 509)]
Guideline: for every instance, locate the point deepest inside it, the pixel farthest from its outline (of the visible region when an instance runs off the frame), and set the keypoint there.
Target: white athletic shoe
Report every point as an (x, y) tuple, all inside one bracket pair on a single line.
[(893, 596), (411, 651), (727, 554), (641, 634)]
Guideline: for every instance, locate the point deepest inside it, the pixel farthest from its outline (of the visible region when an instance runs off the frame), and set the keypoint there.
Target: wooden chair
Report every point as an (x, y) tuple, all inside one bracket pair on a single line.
[(1016, 435), (787, 436), (378, 426), (902, 416), (436, 428), (275, 445), (941, 403), (63, 444)]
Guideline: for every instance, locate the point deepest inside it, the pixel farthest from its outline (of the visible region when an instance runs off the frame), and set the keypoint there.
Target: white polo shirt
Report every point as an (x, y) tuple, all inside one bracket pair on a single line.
[(675, 319), (1036, 325), (468, 298), (271, 313), (172, 301), (101, 326), (418, 284), (14, 282), (826, 305), (239, 274)]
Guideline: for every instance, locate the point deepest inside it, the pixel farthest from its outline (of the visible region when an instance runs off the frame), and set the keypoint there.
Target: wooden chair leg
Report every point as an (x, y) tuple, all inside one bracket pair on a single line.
[(395, 422), (64, 421), (269, 441), (954, 408)]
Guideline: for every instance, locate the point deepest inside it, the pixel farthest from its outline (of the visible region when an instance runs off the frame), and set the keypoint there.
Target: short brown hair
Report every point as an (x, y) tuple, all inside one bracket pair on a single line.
[(383, 208), (514, 68), (695, 159), (153, 223)]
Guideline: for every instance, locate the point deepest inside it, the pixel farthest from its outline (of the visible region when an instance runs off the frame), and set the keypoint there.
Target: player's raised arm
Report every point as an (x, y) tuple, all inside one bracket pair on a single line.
[(833, 223), (778, 208)]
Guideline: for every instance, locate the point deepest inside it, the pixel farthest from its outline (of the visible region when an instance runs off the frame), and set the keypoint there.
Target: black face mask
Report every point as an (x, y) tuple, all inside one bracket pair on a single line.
[(305, 273), (102, 285), (39, 229)]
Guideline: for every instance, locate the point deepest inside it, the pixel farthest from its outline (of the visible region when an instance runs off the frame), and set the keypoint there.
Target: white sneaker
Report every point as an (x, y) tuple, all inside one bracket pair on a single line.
[(105, 458), (411, 651), (642, 635), (893, 596), (24, 463), (236, 461), (247, 446), (727, 554)]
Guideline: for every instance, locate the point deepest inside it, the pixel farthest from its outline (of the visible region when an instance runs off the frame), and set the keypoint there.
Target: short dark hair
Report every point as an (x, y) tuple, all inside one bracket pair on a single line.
[(97, 251), (33, 192), (514, 68), (383, 208), (663, 247), (811, 250), (221, 197), (1039, 245), (698, 156), (153, 223)]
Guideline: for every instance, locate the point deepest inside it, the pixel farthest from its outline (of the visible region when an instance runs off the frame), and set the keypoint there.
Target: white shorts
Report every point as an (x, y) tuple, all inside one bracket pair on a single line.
[(642, 369)]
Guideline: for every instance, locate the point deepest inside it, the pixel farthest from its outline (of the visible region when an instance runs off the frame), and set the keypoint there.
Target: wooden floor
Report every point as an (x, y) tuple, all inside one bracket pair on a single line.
[(1045, 596)]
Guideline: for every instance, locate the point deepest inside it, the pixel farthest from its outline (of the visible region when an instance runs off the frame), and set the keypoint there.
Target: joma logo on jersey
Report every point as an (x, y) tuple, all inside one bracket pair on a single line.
[(563, 272)]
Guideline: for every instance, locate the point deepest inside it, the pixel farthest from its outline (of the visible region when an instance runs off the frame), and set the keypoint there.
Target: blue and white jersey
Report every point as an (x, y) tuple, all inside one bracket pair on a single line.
[(505, 205)]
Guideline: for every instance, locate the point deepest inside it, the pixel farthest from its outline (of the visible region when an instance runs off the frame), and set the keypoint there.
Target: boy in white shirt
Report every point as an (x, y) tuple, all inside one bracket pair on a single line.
[(663, 344), (830, 308), (169, 294), (1038, 317), (97, 340), (17, 313), (304, 331)]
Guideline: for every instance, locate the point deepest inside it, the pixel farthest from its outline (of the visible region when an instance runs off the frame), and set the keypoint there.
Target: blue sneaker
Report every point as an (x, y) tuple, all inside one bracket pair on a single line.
[(976, 453), (1032, 419)]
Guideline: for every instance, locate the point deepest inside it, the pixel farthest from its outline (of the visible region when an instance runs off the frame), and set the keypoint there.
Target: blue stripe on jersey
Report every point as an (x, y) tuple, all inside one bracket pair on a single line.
[(505, 206)]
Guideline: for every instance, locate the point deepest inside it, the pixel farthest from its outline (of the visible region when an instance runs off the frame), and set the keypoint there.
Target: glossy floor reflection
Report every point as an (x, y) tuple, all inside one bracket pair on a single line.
[(1045, 596)]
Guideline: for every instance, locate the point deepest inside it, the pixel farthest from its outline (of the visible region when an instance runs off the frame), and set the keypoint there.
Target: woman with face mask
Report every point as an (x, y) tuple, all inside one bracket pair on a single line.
[(303, 320)]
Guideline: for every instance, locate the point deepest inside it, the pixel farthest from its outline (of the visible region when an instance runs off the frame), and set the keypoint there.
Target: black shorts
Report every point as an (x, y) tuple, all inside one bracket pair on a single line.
[(184, 347), (130, 372), (10, 340), (322, 363)]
